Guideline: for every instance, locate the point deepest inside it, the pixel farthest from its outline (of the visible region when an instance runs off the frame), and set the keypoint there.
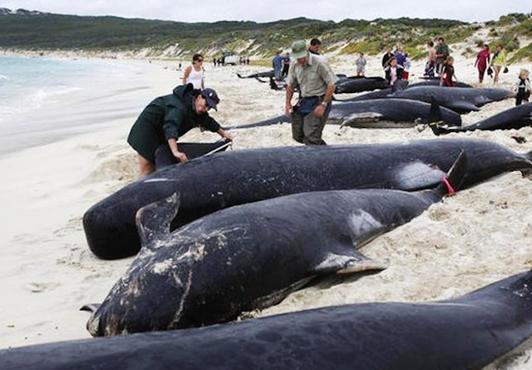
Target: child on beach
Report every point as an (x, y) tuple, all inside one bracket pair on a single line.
[(361, 65), (448, 73), (393, 71), (522, 88)]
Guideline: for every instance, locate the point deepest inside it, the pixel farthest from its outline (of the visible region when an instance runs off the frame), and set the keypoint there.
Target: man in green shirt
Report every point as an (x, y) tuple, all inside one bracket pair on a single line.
[(315, 80), (167, 118), (442, 52)]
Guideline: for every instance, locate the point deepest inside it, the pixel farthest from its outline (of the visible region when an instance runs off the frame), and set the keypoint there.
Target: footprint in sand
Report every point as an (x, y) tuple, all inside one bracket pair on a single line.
[(35, 287), (438, 213)]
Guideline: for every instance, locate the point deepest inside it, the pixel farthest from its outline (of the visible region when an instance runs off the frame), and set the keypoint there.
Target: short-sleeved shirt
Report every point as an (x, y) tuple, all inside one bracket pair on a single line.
[(499, 58), (312, 78), (442, 49)]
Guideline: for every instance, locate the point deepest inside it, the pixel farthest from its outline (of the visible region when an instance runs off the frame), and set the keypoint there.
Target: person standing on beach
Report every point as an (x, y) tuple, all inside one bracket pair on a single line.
[(315, 46), (277, 64), (442, 53), (315, 80), (448, 75), (393, 71), (498, 61), (169, 117), (431, 60), (522, 88), (286, 65), (315, 49), (387, 57), (407, 64), (361, 65), (482, 62), (400, 56), (195, 74)]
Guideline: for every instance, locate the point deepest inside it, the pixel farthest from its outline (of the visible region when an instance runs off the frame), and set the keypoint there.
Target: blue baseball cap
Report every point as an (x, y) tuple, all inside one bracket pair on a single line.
[(211, 97)]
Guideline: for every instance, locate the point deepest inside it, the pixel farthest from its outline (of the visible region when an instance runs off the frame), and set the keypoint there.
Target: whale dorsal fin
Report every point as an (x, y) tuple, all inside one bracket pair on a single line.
[(154, 220)]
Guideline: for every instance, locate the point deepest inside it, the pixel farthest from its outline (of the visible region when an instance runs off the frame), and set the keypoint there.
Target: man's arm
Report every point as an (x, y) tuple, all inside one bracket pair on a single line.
[(172, 120), (288, 102), (319, 111), (225, 134), (172, 143)]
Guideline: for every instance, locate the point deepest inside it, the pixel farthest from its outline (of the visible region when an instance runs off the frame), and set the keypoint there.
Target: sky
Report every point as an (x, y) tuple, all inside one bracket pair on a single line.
[(266, 10)]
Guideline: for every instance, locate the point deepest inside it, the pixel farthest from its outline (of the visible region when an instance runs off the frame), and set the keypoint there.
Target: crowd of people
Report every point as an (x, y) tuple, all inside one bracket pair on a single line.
[(306, 70)]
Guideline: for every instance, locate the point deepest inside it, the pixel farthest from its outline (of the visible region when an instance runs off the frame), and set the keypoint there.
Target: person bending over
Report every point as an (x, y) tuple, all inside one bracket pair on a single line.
[(169, 117)]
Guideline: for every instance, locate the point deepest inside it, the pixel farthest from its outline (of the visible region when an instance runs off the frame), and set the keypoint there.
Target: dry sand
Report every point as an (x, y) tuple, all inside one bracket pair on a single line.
[(47, 272)]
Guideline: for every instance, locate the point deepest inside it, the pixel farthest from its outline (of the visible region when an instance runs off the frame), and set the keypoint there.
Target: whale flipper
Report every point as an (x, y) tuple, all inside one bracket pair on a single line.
[(348, 261), (361, 117), (90, 307), (154, 220), (342, 257)]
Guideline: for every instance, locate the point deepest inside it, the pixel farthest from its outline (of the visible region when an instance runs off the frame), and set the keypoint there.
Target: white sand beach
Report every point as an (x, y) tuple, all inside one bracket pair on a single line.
[(47, 272)]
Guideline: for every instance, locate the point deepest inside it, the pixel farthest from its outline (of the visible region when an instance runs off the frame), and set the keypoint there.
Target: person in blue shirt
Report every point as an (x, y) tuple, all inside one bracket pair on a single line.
[(277, 64)]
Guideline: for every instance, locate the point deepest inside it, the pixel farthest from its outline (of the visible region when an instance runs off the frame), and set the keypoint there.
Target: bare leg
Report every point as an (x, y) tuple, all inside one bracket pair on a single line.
[(497, 69), (145, 166)]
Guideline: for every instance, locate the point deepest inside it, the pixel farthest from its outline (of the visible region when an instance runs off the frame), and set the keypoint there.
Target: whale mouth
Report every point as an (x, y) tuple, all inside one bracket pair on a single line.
[(93, 325)]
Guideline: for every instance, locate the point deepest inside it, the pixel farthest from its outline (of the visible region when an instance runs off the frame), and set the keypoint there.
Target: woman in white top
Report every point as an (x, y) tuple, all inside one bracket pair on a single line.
[(194, 73)]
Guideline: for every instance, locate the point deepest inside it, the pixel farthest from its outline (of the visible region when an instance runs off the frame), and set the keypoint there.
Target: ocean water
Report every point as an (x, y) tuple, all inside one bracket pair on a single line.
[(27, 83), (43, 100)]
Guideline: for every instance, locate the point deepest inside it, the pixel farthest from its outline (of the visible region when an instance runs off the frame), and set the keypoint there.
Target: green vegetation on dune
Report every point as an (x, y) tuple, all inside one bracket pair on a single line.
[(43, 31), (524, 53)]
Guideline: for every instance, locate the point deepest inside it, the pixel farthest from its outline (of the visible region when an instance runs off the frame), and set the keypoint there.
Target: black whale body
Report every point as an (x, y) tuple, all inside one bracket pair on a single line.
[(250, 256), (231, 178), (513, 118), (464, 333), (377, 113)]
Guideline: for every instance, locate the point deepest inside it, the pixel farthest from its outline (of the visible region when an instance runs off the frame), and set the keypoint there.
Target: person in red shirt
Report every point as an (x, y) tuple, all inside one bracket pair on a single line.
[(483, 61)]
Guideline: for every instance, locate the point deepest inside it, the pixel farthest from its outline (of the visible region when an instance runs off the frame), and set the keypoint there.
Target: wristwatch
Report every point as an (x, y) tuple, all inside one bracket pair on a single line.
[(324, 104)]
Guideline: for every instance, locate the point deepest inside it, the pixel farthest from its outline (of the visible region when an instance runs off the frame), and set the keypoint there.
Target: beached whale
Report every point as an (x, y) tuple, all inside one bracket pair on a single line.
[(400, 85), (513, 118), (464, 333), (461, 100), (381, 113), (437, 83), (230, 178), (250, 256), (265, 74), (359, 84), (377, 113)]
